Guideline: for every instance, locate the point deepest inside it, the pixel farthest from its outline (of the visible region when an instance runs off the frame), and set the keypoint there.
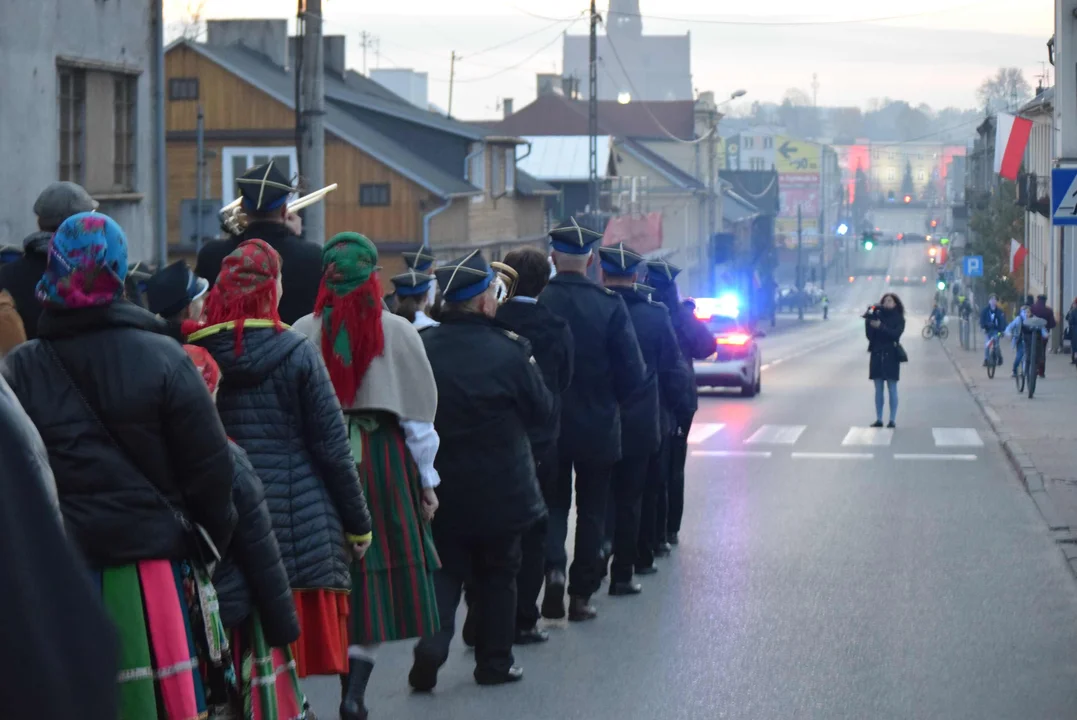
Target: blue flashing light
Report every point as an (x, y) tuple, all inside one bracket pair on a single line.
[(725, 305), (842, 229)]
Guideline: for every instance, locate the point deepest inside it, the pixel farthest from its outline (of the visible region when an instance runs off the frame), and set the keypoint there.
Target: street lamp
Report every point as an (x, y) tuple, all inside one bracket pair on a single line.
[(736, 94)]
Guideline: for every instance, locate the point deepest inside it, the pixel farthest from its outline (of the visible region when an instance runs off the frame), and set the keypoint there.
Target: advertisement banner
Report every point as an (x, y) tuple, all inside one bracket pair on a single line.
[(799, 189), (796, 156), (785, 232)]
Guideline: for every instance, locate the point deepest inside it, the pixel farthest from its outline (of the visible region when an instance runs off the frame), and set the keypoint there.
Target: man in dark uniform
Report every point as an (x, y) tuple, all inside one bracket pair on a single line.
[(696, 343), (265, 190), (645, 418), (609, 370), (422, 261), (490, 395), (176, 294)]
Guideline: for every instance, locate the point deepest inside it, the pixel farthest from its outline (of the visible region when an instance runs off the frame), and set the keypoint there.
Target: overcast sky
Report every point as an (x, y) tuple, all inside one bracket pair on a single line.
[(937, 52)]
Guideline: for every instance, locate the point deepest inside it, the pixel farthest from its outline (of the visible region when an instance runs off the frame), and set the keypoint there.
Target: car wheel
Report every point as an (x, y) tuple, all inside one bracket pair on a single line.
[(749, 390), (759, 383)]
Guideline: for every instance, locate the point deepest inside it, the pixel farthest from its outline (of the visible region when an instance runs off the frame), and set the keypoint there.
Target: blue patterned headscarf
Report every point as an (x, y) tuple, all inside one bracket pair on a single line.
[(87, 263)]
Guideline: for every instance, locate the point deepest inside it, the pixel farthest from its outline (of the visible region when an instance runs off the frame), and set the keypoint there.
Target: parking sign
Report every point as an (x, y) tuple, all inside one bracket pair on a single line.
[(974, 266)]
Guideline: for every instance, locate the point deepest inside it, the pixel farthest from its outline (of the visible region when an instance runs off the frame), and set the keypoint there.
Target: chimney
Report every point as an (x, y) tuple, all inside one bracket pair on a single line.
[(333, 54), (506, 105), (268, 37)]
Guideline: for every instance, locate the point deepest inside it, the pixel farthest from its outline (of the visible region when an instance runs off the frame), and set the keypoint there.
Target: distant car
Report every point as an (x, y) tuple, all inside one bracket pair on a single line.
[(737, 361), (907, 279)]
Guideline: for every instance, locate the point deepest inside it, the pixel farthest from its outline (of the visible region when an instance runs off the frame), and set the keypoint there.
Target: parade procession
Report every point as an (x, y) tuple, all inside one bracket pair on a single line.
[(254, 472)]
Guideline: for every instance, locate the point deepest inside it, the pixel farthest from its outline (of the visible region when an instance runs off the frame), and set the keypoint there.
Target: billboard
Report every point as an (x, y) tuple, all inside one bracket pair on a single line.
[(796, 156)]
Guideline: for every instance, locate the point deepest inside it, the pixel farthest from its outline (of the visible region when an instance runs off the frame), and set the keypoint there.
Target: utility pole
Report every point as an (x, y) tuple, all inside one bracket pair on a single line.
[(592, 117), (313, 135), (800, 270), (160, 156), (452, 78), (200, 168), (367, 40), (713, 192)]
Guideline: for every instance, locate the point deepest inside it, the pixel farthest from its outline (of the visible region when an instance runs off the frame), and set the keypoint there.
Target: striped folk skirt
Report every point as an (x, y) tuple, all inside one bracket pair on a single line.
[(268, 683), (393, 585), (173, 648)]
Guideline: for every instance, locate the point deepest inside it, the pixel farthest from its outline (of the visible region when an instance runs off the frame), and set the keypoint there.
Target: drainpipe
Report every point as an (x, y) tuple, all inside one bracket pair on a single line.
[(430, 216), (525, 154)]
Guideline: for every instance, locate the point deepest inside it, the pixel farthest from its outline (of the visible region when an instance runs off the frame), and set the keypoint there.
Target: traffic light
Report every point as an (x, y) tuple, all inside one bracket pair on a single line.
[(944, 241), (941, 284), (934, 224), (908, 199)]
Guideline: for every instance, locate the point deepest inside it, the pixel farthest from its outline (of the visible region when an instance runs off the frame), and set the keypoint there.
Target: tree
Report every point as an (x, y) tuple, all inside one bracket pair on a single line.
[(907, 187), (190, 25), (992, 229), (1006, 90)]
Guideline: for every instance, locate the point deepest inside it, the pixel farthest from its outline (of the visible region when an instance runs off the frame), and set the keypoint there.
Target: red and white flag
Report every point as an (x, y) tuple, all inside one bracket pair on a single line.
[(1017, 255), (1011, 138)]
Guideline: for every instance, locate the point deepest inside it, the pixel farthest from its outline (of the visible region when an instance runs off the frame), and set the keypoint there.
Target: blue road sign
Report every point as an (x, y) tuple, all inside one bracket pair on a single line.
[(1064, 196), (974, 266)]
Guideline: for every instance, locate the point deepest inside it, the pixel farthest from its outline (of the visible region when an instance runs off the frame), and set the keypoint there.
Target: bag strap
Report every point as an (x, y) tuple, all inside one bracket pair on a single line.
[(180, 517)]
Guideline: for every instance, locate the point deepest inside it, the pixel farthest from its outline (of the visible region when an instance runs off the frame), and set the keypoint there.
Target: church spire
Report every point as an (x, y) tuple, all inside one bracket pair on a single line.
[(623, 19)]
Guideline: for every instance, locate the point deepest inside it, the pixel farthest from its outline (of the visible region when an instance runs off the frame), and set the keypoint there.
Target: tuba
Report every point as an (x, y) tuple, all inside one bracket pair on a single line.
[(234, 220), (506, 281)]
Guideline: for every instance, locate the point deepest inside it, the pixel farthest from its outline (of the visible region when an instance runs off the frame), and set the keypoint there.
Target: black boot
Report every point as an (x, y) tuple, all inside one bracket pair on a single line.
[(351, 705), (469, 631), (580, 609), (553, 602)]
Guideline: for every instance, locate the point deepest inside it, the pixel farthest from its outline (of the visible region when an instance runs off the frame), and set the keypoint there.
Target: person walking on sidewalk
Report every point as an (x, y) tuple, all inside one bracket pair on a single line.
[(1045, 312), (884, 323)]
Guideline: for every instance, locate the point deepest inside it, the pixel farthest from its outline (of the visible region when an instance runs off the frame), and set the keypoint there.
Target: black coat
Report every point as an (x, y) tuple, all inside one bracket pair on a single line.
[(152, 400), (490, 394), (251, 575), (21, 276), (50, 612), (883, 344), (301, 265), (650, 415), (278, 404), (608, 367), (552, 348), (696, 343)]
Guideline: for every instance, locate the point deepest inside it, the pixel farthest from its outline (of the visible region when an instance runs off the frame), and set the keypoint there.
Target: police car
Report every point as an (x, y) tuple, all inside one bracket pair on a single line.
[(737, 361)]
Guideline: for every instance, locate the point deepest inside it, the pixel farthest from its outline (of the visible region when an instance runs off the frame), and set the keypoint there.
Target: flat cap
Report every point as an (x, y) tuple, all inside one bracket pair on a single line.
[(61, 200)]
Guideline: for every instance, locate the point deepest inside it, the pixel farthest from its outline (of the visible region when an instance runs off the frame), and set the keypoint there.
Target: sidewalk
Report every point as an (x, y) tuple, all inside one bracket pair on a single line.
[(1039, 435)]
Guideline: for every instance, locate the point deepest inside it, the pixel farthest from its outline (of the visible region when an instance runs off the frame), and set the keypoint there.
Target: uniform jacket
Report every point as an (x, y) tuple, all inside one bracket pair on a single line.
[(278, 404), (152, 400), (251, 575), (21, 276), (301, 265), (651, 414), (696, 343), (553, 349), (608, 368), (882, 344), (490, 394)]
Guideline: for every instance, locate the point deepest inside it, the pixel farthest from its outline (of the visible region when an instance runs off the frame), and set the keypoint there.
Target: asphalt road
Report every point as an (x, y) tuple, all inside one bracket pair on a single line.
[(825, 571)]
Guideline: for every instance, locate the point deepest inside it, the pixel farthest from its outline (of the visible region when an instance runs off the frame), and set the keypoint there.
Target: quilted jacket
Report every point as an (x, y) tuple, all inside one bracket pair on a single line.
[(277, 403), (251, 575)]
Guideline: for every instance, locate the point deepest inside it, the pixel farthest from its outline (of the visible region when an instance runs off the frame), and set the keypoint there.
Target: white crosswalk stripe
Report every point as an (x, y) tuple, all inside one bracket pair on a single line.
[(776, 435), (868, 436), (956, 437), (702, 431)]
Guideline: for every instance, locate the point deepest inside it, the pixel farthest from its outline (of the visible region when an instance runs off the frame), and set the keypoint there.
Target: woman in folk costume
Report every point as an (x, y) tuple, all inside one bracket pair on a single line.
[(255, 599), (141, 465), (277, 402), (384, 381)]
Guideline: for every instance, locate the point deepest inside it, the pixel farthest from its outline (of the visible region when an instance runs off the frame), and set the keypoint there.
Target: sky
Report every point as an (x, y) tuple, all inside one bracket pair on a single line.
[(931, 51)]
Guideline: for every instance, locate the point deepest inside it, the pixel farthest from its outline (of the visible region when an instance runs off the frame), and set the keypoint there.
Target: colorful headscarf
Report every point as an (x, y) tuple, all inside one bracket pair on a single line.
[(211, 371), (350, 306), (87, 263), (246, 288)]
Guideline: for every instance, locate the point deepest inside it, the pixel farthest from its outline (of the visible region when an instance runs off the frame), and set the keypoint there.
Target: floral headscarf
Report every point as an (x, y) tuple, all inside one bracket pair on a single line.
[(246, 288), (87, 263), (207, 366)]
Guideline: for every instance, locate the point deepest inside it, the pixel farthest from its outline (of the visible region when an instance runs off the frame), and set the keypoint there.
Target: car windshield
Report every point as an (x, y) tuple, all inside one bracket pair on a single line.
[(720, 324)]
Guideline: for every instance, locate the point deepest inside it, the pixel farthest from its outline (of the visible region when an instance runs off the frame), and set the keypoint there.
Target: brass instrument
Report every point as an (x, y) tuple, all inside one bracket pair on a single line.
[(505, 282), (234, 220)]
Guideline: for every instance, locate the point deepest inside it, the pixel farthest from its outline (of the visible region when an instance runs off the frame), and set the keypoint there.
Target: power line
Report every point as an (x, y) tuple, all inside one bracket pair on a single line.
[(517, 39), (514, 65)]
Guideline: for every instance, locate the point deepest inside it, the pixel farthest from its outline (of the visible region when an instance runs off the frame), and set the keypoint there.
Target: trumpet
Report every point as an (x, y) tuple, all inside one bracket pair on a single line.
[(234, 220), (506, 281)]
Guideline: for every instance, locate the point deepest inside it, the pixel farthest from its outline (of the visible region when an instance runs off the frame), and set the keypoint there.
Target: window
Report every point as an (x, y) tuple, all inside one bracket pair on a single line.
[(97, 122), (183, 88), (747, 143), (891, 175), (237, 160), (768, 142), (371, 195), (920, 176), (756, 163), (510, 170)]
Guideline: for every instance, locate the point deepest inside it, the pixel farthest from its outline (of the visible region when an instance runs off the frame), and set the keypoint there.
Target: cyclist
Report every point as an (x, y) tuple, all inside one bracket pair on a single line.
[(937, 316), (992, 321), (826, 306), (1020, 335), (965, 307)]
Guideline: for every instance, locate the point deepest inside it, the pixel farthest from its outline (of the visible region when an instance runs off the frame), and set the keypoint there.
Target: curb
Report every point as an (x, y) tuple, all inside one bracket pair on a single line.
[(1022, 464)]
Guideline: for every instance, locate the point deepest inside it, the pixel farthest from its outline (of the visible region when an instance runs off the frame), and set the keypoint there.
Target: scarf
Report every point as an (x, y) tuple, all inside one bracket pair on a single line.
[(349, 305), (86, 265), (246, 288), (206, 365)]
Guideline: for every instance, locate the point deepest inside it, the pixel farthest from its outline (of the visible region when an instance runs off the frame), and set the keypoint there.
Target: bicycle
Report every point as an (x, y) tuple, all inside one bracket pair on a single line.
[(994, 355), (932, 330), (1030, 335)]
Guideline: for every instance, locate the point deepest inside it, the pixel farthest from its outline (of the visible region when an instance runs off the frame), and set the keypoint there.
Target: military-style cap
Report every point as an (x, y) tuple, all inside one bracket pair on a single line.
[(169, 291), (420, 260), (10, 253), (661, 273), (465, 278), (573, 239), (619, 260), (264, 188), (61, 200), (645, 289), (412, 283)]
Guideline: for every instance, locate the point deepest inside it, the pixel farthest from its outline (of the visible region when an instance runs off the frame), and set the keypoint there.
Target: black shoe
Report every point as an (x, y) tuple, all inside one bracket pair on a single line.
[(663, 549), (674, 539), (532, 636), (891, 425), (877, 424), (352, 706), (621, 589), (424, 673), (469, 630), (581, 610), (646, 570), (553, 602), (491, 677)]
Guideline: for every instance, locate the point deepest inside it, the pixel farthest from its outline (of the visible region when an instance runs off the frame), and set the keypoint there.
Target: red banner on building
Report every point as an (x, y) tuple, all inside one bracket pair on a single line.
[(642, 233)]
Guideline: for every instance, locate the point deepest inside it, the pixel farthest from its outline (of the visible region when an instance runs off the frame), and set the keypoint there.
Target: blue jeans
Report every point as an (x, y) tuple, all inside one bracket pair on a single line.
[(1019, 358), (892, 387)]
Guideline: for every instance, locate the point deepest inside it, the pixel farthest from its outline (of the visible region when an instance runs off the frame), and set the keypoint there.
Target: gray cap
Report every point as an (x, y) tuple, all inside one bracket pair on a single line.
[(61, 200)]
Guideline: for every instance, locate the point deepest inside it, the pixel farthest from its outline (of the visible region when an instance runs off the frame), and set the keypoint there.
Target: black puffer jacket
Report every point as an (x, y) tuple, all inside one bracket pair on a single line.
[(278, 404), (152, 400), (251, 575), (21, 276)]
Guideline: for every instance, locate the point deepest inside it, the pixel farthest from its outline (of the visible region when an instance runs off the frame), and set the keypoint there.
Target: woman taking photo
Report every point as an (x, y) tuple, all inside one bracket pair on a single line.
[(884, 323)]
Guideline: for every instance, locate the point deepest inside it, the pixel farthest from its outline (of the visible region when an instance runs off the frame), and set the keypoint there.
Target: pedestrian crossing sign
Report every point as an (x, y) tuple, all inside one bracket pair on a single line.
[(1064, 196)]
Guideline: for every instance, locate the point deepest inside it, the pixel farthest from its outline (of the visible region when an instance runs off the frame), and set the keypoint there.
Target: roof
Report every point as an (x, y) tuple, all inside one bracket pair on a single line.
[(279, 84), (563, 158), (1042, 103), (671, 172), (554, 114), (529, 186), (735, 208)]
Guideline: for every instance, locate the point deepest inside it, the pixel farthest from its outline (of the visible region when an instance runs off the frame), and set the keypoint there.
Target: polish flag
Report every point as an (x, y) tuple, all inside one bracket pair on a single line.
[(1011, 138), (1017, 255)]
